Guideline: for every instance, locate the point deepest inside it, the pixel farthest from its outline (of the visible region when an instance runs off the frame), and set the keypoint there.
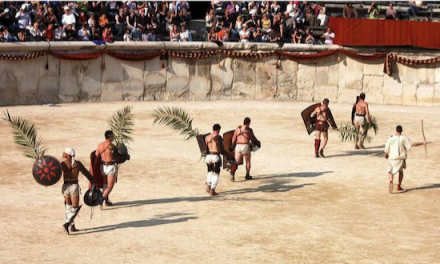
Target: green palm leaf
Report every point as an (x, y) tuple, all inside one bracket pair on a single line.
[(121, 123), (177, 119), (347, 132), (25, 135)]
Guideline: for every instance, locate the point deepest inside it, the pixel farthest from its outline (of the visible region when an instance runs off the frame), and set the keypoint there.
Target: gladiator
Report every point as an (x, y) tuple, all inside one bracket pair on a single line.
[(107, 152), (324, 117), (362, 117), (242, 142), (396, 150), (214, 144), (71, 169)]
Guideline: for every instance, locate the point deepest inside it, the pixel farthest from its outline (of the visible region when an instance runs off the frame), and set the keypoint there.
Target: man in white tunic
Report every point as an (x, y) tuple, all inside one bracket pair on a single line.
[(396, 152)]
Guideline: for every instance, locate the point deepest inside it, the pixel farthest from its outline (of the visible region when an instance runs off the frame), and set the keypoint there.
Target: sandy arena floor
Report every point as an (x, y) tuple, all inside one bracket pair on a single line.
[(297, 210)]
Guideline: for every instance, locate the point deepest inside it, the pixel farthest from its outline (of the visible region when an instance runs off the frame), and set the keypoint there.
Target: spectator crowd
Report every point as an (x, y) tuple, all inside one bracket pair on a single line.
[(94, 20), (245, 21)]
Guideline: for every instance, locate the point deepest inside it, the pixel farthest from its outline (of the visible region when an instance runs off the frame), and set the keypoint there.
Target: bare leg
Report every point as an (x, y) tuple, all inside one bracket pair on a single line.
[(248, 166), (324, 141), (317, 143), (399, 188), (356, 138), (391, 186), (110, 183), (361, 143)]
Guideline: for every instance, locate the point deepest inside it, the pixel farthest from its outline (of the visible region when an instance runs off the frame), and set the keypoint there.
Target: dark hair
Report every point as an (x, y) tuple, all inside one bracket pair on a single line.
[(108, 134), (362, 96), (247, 121), (216, 127), (326, 101), (399, 129)]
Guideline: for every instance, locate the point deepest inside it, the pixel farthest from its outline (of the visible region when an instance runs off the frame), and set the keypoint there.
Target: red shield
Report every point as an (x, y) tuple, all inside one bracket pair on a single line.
[(47, 170)]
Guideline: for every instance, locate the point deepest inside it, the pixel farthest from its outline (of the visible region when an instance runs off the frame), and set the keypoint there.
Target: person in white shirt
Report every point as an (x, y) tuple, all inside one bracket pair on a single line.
[(396, 152), (328, 36), (35, 31), (184, 34), (68, 18), (84, 33), (244, 34), (24, 20), (59, 33), (127, 35)]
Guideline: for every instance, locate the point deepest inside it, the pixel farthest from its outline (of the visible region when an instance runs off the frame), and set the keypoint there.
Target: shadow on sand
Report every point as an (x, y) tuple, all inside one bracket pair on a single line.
[(293, 174), (158, 220), (273, 187), (426, 187)]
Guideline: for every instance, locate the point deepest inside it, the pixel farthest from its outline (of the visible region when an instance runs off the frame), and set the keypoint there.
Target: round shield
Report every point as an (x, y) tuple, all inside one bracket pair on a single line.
[(93, 197), (47, 170)]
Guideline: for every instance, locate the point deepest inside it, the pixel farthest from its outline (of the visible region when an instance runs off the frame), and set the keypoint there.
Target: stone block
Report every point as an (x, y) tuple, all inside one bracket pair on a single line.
[(374, 67), (326, 70), (436, 99), (373, 88), (155, 80), (244, 79), (348, 95), (28, 74), (91, 81), (330, 92), (437, 73), (425, 94), (392, 87), (354, 74), (426, 74), (178, 80), (221, 79), (409, 74), (112, 91), (8, 89), (409, 94), (266, 78), (306, 82), (287, 79), (133, 84), (199, 78)]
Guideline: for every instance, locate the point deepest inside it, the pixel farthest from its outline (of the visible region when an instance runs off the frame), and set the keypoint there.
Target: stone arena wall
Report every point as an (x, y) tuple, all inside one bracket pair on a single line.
[(338, 78)]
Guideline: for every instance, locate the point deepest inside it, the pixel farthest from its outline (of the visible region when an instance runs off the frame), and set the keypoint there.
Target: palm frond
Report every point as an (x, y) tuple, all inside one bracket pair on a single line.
[(177, 119), (25, 135), (347, 132), (121, 123)]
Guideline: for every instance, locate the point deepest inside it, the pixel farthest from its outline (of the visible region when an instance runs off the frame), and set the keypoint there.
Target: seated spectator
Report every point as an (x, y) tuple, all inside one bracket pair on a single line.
[(84, 33), (328, 36), (169, 21), (107, 34), (70, 33), (174, 34), (323, 18), (264, 8), (223, 35), (309, 37), (212, 35), (288, 25), (182, 6), (103, 21), (49, 33), (142, 20), (91, 22), (7, 36), (182, 19), (35, 32), (254, 8), (2, 38), (298, 15), (144, 35), (22, 36), (232, 9), (23, 18), (184, 34), (95, 34), (311, 19), (238, 27), (275, 8), (211, 20), (82, 18), (68, 18), (258, 35), (39, 18), (50, 17), (391, 12), (266, 25), (274, 36), (374, 10), (127, 36), (278, 23), (152, 35), (253, 23), (299, 36), (244, 35), (414, 7), (120, 22), (136, 34), (349, 11), (60, 34)]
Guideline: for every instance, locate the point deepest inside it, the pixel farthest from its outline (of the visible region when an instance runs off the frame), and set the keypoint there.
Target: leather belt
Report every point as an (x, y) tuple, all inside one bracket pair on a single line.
[(70, 182), (242, 143), (360, 115), (108, 163)]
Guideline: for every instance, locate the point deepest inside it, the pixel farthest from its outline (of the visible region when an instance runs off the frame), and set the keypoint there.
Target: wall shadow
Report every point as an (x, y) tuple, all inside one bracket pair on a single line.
[(158, 220), (274, 187), (359, 152)]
